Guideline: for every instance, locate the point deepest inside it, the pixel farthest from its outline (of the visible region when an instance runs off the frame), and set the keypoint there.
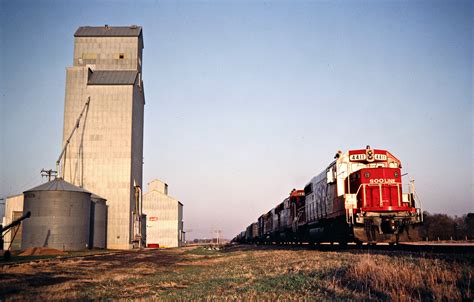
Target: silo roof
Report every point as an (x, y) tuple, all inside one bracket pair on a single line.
[(58, 184), (108, 31), (112, 77), (95, 196)]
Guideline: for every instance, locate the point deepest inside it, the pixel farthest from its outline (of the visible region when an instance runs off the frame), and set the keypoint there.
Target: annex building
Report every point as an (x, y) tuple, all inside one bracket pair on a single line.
[(164, 217)]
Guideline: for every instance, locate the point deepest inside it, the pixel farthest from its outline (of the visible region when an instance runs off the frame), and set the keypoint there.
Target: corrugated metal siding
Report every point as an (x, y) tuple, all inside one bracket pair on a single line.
[(110, 31), (112, 77)]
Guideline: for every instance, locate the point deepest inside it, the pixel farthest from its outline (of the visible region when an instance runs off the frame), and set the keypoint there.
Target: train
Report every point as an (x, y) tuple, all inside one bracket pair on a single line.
[(358, 198)]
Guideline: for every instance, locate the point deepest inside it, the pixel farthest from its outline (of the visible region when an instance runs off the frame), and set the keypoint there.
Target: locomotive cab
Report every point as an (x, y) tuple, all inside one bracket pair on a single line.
[(297, 206)]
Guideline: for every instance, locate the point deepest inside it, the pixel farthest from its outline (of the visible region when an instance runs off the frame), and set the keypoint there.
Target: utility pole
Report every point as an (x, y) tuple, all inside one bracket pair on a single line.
[(49, 173), (218, 232), (184, 235)]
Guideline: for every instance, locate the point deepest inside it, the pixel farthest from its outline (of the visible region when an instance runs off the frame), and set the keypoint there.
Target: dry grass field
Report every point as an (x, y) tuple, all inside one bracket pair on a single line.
[(244, 273)]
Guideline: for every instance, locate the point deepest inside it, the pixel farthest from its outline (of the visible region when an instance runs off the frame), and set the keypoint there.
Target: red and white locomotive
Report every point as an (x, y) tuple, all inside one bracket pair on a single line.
[(357, 198)]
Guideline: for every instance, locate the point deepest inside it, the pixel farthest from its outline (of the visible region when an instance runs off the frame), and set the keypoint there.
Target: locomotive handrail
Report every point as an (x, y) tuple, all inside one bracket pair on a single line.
[(413, 191), (380, 193), (398, 194)]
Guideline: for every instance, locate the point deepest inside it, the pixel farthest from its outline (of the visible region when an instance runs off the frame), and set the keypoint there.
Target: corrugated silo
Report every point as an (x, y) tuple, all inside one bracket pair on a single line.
[(60, 216), (99, 222)]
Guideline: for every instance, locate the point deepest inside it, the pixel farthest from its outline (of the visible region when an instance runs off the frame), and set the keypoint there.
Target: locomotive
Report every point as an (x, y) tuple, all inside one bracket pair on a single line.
[(357, 198)]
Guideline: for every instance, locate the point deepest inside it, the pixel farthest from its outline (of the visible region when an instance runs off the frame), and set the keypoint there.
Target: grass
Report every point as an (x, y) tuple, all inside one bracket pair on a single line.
[(406, 279), (248, 273)]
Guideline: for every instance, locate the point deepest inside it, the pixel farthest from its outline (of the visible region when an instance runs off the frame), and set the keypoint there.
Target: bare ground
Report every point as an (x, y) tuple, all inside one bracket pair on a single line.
[(244, 273)]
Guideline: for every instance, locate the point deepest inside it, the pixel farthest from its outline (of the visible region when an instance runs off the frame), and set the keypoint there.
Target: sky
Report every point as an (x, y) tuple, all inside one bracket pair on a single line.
[(246, 100)]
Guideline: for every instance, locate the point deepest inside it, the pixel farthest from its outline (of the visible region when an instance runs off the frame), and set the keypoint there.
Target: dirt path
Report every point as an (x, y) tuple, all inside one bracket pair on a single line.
[(60, 278)]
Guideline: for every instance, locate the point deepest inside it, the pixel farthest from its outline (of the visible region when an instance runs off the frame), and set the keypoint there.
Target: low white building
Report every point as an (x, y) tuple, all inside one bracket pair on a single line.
[(164, 217), (13, 210)]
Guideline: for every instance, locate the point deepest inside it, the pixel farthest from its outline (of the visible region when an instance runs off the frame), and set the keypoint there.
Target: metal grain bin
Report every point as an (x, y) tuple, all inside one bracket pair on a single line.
[(60, 216), (98, 222)]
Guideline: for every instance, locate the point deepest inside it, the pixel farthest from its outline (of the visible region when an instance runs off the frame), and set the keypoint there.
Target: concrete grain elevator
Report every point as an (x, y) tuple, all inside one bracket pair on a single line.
[(105, 156)]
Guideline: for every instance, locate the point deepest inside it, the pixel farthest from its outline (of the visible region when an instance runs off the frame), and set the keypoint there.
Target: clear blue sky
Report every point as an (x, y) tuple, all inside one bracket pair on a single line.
[(247, 100)]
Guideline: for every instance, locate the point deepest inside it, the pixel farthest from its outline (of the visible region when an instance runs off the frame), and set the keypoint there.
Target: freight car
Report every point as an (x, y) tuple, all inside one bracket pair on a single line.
[(357, 198), (251, 233)]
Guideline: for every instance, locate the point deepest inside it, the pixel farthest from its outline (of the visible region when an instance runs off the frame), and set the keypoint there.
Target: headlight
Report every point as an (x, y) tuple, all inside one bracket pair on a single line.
[(367, 174), (395, 174)]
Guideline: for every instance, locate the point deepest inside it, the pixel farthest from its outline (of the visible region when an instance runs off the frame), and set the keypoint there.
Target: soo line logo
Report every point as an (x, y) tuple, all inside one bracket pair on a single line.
[(382, 181)]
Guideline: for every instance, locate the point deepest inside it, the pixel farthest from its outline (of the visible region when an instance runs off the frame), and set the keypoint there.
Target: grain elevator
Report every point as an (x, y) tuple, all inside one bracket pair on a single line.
[(105, 156)]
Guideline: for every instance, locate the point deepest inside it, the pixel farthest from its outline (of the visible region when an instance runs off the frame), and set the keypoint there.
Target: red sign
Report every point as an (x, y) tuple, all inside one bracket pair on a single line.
[(152, 218)]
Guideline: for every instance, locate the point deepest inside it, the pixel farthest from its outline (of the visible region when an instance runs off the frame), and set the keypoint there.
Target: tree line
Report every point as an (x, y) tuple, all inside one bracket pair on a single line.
[(445, 227)]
